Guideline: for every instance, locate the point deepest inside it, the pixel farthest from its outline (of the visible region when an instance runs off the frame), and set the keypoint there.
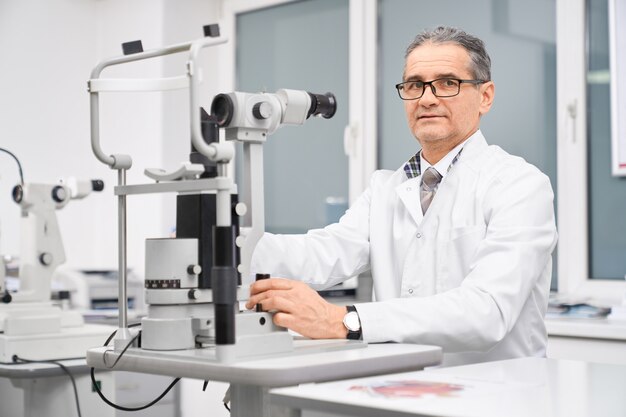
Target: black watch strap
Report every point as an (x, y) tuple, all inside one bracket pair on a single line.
[(352, 334)]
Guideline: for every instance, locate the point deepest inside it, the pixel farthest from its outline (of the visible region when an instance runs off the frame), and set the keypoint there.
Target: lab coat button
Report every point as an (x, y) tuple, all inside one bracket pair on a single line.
[(410, 290), (408, 188), (419, 235)]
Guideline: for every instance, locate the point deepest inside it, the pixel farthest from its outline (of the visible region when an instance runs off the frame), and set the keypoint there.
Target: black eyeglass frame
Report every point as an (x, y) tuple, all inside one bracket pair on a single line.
[(400, 86)]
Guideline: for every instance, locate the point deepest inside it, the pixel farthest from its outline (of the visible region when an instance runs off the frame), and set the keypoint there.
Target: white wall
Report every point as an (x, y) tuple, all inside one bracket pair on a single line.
[(48, 49)]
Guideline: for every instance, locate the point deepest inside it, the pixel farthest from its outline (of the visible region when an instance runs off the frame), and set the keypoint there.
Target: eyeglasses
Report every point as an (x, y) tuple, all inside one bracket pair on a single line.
[(441, 87)]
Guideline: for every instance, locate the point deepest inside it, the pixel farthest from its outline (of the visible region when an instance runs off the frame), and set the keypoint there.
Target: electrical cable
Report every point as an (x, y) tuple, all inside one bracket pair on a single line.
[(129, 344), (120, 407), (17, 359), (19, 165)]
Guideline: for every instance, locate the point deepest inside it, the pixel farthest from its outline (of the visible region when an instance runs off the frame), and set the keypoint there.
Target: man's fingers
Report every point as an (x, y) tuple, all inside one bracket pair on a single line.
[(257, 298), (284, 320), (259, 290), (270, 300), (278, 303), (270, 284), (254, 300)]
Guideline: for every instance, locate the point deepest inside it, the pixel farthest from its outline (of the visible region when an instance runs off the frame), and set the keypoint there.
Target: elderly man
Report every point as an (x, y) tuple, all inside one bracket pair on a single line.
[(458, 239)]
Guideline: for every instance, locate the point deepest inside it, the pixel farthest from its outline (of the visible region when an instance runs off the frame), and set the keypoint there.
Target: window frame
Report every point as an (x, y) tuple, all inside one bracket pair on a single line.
[(572, 160)]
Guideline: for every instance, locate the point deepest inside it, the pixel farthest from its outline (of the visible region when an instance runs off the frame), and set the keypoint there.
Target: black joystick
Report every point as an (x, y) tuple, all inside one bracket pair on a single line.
[(6, 298), (259, 277)]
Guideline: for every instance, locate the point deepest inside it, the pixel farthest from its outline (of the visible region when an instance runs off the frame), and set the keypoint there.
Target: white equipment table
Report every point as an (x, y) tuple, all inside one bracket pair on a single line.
[(43, 389), (524, 387), (312, 361), (582, 339)]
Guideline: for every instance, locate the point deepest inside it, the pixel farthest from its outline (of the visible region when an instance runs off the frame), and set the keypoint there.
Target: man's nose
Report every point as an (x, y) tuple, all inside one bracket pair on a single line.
[(428, 98)]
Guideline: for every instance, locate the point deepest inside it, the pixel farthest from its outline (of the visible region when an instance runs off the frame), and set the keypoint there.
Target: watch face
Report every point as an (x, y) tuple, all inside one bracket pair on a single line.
[(351, 321)]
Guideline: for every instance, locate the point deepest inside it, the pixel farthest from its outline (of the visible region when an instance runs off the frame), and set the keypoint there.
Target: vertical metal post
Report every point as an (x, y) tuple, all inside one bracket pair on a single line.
[(253, 196), (121, 230), (222, 201), (122, 303)]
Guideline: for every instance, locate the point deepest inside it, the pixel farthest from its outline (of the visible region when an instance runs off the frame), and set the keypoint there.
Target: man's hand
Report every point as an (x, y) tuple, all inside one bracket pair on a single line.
[(299, 308)]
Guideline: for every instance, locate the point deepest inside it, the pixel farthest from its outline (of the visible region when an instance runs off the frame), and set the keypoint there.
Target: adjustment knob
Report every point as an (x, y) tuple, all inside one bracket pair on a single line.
[(6, 298), (18, 194), (46, 258), (241, 209), (97, 185), (194, 269), (59, 194), (262, 110), (260, 277)]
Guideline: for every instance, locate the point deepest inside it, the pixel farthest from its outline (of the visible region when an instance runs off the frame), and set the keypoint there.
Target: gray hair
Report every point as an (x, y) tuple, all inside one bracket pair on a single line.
[(480, 63)]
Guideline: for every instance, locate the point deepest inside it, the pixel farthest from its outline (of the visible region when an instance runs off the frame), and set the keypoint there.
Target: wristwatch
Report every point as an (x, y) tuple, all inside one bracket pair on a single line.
[(352, 322)]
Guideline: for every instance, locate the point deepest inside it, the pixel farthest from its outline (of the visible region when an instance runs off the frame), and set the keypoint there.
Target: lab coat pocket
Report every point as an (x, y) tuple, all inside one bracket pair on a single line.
[(459, 254)]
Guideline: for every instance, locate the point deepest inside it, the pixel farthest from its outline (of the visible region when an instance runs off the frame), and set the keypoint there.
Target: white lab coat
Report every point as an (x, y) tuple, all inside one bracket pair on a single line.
[(472, 275)]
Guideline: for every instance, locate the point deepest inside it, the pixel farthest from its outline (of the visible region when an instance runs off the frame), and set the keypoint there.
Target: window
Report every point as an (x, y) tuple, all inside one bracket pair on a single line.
[(591, 225), (607, 193), (572, 107), (521, 40)]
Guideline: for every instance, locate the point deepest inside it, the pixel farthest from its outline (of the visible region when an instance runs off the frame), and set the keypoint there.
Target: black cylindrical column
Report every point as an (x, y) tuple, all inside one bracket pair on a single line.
[(224, 284), (224, 248), (224, 301)]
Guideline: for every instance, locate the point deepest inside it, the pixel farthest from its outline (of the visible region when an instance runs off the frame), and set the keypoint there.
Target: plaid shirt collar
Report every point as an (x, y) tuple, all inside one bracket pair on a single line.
[(413, 167)]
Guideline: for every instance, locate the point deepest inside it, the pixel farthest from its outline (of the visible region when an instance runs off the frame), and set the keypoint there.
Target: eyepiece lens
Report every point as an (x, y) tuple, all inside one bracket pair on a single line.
[(324, 105), (222, 109)]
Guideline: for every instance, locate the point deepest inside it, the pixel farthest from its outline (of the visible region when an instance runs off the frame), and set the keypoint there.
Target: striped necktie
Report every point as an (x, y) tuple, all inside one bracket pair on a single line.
[(428, 187)]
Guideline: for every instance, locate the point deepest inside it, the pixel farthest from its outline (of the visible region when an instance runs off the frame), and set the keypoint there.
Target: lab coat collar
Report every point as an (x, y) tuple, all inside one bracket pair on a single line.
[(473, 148), (409, 192), (408, 189), (443, 165)]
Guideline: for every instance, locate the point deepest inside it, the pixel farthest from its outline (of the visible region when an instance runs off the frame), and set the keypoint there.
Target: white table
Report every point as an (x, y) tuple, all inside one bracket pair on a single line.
[(525, 387), (251, 379), (42, 389), (582, 339), (600, 328)]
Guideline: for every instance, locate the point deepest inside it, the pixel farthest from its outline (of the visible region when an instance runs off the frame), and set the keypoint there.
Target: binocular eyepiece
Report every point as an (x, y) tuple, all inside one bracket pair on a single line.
[(266, 111), (324, 105)]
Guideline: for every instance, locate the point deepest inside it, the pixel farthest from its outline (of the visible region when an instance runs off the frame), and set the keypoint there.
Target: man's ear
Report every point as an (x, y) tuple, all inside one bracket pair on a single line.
[(487, 93)]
